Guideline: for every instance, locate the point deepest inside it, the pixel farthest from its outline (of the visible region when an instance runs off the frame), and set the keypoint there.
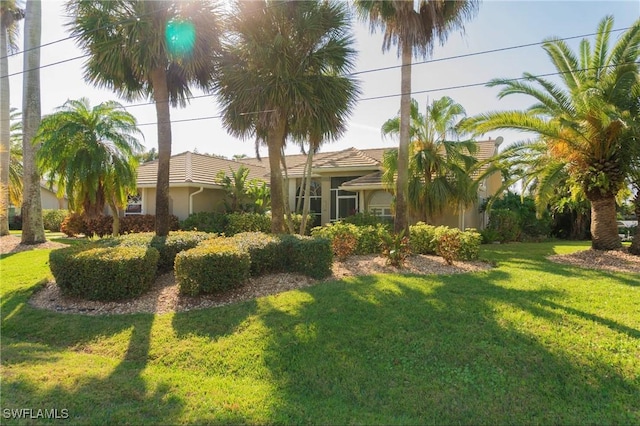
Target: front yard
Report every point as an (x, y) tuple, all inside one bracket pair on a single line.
[(529, 341)]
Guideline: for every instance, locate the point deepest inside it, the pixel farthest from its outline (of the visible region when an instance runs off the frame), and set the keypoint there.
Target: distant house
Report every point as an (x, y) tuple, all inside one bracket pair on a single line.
[(343, 183)]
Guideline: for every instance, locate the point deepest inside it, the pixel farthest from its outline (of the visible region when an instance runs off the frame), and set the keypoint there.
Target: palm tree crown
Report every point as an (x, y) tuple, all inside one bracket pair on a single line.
[(440, 165), (583, 121), (414, 30), (282, 75), (156, 49), (90, 154)]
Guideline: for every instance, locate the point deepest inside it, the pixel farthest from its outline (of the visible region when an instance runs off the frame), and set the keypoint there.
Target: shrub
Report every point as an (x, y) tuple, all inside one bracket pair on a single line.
[(470, 241), (211, 267), (205, 221), (344, 244), (16, 223), (52, 219), (371, 238), (296, 219), (104, 273), (247, 222), (264, 251), (100, 226), (422, 238), (395, 249), (307, 255), (449, 246), (168, 246), (73, 225), (506, 224)]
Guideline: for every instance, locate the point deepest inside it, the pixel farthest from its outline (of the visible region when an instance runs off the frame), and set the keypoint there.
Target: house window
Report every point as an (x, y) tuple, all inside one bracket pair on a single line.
[(380, 204), (134, 205), (343, 203), (315, 201)]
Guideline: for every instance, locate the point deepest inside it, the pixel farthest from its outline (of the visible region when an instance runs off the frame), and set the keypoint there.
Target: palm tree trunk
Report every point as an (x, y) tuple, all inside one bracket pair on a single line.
[(5, 133), (115, 228), (274, 144), (285, 193), (400, 223), (635, 243), (307, 193), (163, 115), (32, 225), (604, 228)]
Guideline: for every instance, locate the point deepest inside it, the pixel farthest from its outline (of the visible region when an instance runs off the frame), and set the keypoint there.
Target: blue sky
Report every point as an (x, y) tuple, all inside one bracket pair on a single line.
[(499, 24)]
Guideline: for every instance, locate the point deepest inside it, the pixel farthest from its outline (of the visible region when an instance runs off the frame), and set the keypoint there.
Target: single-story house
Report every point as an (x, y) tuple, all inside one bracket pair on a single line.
[(343, 183)]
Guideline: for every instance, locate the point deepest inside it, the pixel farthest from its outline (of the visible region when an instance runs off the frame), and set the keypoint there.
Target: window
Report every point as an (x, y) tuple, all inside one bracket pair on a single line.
[(343, 203), (134, 205)]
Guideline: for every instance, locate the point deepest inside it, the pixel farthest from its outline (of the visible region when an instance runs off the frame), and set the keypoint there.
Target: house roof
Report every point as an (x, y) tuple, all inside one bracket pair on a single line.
[(191, 168)]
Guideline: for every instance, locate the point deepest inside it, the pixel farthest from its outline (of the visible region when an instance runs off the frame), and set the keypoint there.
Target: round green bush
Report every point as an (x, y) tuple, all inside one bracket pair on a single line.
[(104, 273), (213, 266)]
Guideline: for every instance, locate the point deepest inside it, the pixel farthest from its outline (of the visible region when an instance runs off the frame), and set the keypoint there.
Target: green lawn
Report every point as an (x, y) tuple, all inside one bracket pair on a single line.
[(528, 342)]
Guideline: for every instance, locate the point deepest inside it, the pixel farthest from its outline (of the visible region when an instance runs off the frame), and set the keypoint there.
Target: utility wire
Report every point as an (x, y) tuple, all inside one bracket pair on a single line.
[(462, 86)]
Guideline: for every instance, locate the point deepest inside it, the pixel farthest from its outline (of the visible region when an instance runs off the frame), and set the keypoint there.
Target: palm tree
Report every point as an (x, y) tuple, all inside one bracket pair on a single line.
[(440, 166), (32, 225), (583, 120), (149, 49), (283, 66), (15, 163), (10, 14), (414, 30), (91, 154)]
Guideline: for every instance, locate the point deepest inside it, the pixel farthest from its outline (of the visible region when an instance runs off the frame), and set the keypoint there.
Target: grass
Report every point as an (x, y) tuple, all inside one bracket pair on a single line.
[(528, 342)]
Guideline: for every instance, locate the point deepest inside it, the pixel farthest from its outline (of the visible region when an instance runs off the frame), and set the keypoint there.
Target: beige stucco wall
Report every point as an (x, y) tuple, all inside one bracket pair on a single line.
[(50, 201), (207, 201)]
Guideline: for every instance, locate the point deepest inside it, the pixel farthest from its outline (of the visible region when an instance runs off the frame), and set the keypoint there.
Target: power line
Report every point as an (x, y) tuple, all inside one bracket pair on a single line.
[(462, 86)]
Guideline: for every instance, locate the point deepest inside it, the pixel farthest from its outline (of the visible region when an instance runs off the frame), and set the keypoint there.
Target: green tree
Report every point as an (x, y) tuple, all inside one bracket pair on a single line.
[(91, 155), (284, 66), (32, 224), (582, 120), (149, 49), (413, 27), (440, 165)]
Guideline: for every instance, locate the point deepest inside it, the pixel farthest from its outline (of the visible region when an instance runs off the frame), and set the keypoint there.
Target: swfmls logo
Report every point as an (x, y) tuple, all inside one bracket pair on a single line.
[(32, 413)]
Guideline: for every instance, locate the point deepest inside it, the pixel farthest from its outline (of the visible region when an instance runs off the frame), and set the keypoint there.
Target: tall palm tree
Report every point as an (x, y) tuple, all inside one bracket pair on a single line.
[(583, 120), (440, 165), (414, 31), (149, 49), (283, 66), (10, 14), (91, 154), (32, 225)]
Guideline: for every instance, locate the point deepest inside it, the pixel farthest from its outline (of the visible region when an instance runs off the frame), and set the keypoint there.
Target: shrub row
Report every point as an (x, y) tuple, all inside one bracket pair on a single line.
[(368, 238), (222, 263), (104, 273), (230, 224), (75, 224)]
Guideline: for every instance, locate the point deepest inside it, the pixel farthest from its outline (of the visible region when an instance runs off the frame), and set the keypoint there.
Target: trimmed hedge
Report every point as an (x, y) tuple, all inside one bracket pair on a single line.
[(213, 266), (104, 273), (236, 223), (205, 221), (264, 251), (101, 226), (307, 255), (168, 246), (247, 222)]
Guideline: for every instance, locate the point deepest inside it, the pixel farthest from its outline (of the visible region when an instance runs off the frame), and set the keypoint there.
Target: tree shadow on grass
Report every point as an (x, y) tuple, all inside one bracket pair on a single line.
[(101, 391), (439, 350)]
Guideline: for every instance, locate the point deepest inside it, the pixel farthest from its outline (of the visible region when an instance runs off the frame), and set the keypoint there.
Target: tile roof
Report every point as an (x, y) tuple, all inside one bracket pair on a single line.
[(372, 179), (188, 167)]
